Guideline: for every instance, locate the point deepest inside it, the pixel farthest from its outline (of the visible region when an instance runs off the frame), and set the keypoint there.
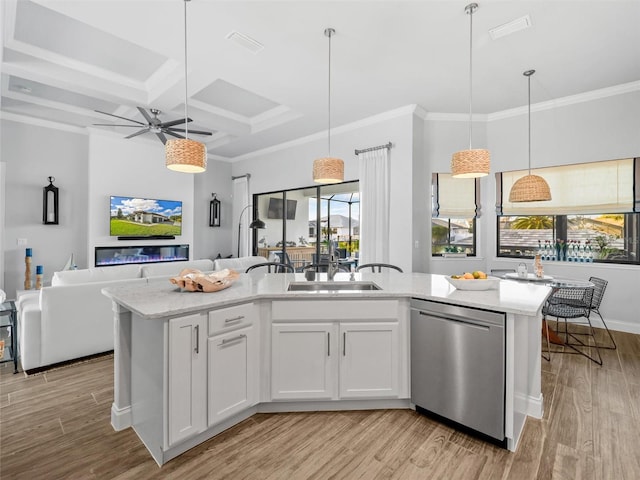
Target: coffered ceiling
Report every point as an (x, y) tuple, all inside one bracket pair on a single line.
[(258, 69)]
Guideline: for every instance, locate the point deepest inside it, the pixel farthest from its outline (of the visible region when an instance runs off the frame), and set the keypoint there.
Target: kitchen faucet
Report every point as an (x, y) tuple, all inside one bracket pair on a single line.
[(332, 267)]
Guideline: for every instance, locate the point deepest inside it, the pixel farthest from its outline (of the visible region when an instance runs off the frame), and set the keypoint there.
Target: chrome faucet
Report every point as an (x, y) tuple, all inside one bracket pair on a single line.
[(333, 267)]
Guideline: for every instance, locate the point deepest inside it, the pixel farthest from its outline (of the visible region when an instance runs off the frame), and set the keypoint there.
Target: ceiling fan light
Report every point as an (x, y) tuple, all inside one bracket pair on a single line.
[(185, 155), (328, 170), (530, 188), (472, 163)]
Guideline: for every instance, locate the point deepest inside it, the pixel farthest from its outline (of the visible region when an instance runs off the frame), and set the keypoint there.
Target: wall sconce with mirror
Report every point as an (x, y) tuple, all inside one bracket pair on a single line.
[(214, 211), (50, 203)]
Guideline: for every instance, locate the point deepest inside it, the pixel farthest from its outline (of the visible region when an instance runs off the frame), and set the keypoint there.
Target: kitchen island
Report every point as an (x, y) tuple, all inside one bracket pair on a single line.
[(190, 365)]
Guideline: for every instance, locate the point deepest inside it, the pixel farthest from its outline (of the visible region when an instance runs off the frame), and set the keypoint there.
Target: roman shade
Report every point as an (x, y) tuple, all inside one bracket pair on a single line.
[(454, 197), (584, 188)]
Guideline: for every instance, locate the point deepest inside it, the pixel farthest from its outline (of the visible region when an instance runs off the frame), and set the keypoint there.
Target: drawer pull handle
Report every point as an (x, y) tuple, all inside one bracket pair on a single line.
[(197, 349), (227, 341), (344, 344), (328, 344), (233, 320)]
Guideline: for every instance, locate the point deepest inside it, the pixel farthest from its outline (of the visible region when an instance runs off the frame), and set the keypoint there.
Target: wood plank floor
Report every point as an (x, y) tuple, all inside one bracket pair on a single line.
[(55, 425)]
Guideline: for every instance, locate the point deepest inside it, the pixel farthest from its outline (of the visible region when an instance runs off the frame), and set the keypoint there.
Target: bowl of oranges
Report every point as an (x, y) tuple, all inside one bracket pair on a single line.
[(477, 280)]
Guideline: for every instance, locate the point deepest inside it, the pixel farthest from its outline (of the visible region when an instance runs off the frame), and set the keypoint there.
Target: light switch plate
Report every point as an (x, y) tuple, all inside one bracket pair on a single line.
[(22, 242)]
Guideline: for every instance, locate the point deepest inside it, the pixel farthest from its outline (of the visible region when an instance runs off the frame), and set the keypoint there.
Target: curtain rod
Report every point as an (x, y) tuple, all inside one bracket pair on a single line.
[(379, 147), (248, 175)]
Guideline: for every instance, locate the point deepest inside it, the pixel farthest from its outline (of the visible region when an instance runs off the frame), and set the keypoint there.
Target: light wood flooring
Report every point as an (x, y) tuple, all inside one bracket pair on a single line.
[(56, 425)]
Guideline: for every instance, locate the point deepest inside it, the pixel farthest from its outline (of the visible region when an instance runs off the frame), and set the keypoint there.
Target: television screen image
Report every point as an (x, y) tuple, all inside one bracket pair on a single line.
[(276, 208), (145, 217)]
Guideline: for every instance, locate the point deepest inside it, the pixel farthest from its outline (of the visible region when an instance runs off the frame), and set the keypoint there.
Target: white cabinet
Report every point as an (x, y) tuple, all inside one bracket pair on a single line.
[(187, 377), (303, 360), (356, 355), (233, 373), (369, 360)]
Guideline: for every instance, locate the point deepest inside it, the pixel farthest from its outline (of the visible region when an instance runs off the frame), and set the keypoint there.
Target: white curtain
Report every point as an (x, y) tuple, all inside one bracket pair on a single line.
[(240, 202), (374, 206)]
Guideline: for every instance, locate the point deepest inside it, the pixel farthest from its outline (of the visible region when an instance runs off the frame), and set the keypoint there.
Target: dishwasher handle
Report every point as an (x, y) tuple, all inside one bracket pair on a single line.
[(457, 319)]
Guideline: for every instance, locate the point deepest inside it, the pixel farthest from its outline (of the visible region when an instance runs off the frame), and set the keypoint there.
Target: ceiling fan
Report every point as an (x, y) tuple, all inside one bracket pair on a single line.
[(153, 125)]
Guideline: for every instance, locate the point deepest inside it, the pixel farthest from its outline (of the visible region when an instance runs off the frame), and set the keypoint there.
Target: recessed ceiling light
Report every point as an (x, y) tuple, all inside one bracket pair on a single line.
[(23, 89), (510, 27), (245, 41)]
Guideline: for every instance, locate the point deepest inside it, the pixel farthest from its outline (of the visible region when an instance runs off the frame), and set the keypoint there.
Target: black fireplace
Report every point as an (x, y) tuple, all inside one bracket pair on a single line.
[(108, 256)]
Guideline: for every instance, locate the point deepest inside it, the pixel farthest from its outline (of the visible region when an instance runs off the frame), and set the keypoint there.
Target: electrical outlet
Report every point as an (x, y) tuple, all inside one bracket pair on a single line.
[(417, 244), (22, 242)]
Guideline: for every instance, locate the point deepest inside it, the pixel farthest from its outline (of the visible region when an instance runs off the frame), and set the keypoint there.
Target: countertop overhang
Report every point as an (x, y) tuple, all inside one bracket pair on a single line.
[(159, 298)]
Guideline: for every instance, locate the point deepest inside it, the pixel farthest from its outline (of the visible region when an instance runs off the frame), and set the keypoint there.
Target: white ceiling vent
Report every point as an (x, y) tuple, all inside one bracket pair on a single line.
[(245, 41), (511, 27)]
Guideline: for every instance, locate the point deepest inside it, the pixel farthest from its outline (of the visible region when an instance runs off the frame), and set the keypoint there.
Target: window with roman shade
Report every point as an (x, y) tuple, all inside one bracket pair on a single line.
[(454, 197), (584, 188), (455, 207)]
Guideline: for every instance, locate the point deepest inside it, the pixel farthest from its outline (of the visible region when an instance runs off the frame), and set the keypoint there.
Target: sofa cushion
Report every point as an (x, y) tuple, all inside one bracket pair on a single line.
[(174, 268), (239, 264), (98, 274)]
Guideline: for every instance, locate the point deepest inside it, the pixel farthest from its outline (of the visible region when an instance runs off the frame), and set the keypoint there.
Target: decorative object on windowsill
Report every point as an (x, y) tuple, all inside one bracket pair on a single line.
[(183, 154), (27, 269), (474, 162), (530, 188), (214, 211), (328, 169), (256, 224), (195, 281), (50, 203), (3, 297)]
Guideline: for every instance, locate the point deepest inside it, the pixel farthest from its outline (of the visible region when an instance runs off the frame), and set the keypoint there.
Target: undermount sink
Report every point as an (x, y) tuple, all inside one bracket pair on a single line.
[(332, 286)]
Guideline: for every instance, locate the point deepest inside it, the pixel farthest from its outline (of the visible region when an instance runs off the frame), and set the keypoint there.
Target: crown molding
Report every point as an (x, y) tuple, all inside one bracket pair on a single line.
[(39, 122), (566, 101)]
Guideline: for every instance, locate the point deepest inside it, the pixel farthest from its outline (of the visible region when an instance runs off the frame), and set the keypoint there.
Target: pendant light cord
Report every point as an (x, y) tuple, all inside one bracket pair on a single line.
[(470, 9), (529, 119), (329, 32), (186, 115)]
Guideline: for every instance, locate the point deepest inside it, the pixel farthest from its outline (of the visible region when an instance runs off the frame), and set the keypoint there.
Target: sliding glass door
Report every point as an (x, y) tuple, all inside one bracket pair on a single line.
[(305, 225)]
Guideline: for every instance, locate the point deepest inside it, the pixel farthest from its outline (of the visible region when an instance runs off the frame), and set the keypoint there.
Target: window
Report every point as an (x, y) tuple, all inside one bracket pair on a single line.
[(607, 238), (455, 206), (591, 218)]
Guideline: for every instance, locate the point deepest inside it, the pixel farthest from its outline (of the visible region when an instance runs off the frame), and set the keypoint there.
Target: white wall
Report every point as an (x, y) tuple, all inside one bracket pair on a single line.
[(32, 154), (208, 242), (129, 168), (292, 167)]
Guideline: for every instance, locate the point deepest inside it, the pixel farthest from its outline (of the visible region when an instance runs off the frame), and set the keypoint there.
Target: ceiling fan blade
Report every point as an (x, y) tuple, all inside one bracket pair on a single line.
[(139, 132), (114, 125), (173, 122), (172, 133), (162, 137), (118, 116), (197, 132), (145, 115)]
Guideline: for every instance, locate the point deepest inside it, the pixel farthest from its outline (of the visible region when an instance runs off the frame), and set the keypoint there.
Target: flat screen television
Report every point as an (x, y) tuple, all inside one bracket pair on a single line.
[(276, 208), (145, 217)]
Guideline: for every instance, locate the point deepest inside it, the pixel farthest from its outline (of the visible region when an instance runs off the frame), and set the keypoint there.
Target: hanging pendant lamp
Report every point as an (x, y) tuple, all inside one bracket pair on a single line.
[(530, 188), (328, 169), (474, 162), (183, 154)]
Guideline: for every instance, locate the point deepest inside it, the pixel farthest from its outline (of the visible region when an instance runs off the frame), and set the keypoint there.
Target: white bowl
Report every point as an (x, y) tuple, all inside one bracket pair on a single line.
[(488, 283)]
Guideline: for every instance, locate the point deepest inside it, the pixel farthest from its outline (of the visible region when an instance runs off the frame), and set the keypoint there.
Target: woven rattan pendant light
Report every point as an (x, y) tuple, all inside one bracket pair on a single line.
[(530, 188), (183, 154), (328, 169), (470, 163)]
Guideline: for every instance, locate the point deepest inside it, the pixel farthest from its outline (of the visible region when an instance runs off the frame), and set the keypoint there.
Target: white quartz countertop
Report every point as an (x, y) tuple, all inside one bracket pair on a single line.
[(159, 298)]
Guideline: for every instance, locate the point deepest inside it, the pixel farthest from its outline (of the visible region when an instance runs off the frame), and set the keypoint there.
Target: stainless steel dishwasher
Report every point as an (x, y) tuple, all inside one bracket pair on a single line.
[(458, 365)]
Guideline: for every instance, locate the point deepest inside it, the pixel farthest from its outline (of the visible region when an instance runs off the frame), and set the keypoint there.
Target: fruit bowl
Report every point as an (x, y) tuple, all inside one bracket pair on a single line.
[(488, 283)]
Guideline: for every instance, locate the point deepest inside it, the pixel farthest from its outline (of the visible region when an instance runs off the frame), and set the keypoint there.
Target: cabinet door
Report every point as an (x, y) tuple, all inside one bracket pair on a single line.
[(303, 360), (369, 360), (233, 373), (187, 409)]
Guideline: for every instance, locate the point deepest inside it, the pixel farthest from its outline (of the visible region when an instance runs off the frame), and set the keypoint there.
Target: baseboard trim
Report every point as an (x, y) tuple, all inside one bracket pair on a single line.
[(120, 417)]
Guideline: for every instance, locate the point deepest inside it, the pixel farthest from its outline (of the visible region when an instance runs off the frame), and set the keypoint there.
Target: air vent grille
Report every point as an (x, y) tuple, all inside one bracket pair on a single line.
[(510, 27), (245, 41)]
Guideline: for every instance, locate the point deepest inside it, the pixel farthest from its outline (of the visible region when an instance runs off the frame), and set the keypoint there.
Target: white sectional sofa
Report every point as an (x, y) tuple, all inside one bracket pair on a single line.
[(72, 318), (239, 264)]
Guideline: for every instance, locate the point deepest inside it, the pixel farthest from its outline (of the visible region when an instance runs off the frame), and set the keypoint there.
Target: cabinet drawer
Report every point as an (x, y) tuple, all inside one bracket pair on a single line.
[(332, 309), (230, 318)]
